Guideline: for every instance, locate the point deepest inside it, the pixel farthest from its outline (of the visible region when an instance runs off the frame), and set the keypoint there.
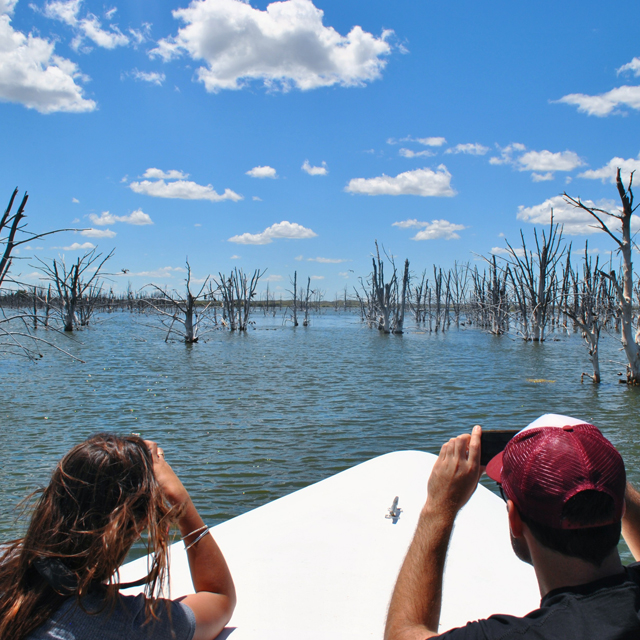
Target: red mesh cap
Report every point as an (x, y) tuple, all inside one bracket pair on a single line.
[(544, 466)]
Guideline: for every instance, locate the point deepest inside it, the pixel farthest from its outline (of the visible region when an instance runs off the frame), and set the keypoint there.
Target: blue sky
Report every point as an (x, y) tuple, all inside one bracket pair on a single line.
[(291, 135)]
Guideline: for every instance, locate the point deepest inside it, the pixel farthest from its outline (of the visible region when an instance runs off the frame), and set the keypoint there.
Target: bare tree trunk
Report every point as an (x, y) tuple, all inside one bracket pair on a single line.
[(630, 336)]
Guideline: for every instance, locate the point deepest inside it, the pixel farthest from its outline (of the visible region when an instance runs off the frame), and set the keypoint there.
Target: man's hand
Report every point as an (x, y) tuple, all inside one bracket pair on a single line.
[(414, 611), (456, 472)]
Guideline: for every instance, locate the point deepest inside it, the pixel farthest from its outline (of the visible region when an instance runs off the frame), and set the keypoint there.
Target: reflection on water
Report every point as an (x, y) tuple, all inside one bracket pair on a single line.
[(245, 419)]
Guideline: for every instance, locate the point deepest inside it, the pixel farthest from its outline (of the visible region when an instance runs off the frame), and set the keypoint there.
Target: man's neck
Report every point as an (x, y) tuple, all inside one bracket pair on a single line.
[(555, 570)]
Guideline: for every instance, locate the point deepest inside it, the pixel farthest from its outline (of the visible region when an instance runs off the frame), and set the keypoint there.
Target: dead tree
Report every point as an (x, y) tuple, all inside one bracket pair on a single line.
[(589, 307), (179, 314), (630, 335), (78, 287), (534, 279), (389, 299), (237, 291), (305, 301), (294, 293)]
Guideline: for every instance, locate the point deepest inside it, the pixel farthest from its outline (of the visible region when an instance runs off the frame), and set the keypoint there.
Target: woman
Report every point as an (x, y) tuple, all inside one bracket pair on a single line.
[(60, 580)]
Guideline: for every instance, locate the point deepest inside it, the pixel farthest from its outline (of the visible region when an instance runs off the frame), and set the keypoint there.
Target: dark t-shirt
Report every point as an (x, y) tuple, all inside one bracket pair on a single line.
[(607, 609)]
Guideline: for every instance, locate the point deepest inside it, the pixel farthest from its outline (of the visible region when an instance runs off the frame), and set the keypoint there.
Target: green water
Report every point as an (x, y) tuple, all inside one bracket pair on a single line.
[(245, 419)]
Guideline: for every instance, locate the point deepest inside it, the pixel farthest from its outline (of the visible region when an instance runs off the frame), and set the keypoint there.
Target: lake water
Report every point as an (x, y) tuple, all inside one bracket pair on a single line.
[(247, 418)]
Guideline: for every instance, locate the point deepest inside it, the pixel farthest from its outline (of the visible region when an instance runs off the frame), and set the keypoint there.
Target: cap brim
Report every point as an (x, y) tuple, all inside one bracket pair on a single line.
[(494, 468)]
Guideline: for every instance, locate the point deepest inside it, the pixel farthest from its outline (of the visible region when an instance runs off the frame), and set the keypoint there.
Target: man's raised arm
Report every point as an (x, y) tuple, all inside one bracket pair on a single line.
[(414, 612), (631, 520)]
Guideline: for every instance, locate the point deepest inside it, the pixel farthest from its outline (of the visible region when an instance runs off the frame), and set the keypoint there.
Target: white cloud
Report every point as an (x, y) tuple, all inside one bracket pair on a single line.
[(506, 153), (548, 161), (272, 278), (407, 153), (542, 177), (298, 258), (234, 257), (608, 172), (76, 246), (501, 251), (98, 233), (633, 66), (575, 221), (327, 260), (344, 274), (434, 230), (256, 199), (183, 190), (315, 171), (317, 277), (605, 103), (152, 77), (472, 148), (419, 182), (137, 217), (436, 141), (32, 75), (158, 174), (75, 200), (284, 229), (162, 272), (90, 27), (262, 172), (285, 46)]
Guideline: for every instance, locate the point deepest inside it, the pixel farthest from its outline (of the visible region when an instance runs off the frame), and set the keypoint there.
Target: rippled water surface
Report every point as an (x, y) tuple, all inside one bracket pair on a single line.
[(245, 419)]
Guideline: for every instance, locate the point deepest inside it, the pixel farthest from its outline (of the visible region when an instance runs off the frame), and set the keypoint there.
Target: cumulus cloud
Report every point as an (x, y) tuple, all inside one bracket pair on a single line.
[(506, 153), (158, 174), (76, 246), (152, 77), (284, 229), (408, 153), (326, 260), (262, 172), (419, 182), (284, 46), (434, 141), (543, 163), (75, 200), (605, 103), (98, 233), (502, 251), (32, 75), (542, 177), (471, 148), (272, 278), (315, 171), (182, 189), (434, 230), (317, 277), (89, 27), (608, 172), (137, 217), (633, 66), (162, 272), (548, 161), (575, 221)]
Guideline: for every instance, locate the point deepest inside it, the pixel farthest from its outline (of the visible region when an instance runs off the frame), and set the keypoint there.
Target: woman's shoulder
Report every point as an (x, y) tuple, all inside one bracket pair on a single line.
[(128, 619)]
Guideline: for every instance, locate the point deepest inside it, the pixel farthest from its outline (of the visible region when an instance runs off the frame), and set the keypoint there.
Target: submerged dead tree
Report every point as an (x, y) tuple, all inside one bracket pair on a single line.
[(588, 306), (389, 298), (237, 291), (630, 335), (180, 314), (79, 287), (534, 279)]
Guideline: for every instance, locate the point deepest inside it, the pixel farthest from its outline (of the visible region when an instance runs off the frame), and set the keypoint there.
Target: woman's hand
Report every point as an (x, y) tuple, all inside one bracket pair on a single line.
[(169, 482)]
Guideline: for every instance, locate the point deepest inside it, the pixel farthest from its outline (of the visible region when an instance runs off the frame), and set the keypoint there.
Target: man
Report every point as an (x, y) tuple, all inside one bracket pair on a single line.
[(566, 493)]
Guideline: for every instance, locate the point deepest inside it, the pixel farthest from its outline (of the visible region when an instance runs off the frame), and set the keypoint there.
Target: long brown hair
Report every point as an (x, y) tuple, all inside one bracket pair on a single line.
[(101, 496)]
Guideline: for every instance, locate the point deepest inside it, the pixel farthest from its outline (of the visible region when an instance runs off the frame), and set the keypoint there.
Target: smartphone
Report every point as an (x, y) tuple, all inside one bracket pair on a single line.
[(493, 442)]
